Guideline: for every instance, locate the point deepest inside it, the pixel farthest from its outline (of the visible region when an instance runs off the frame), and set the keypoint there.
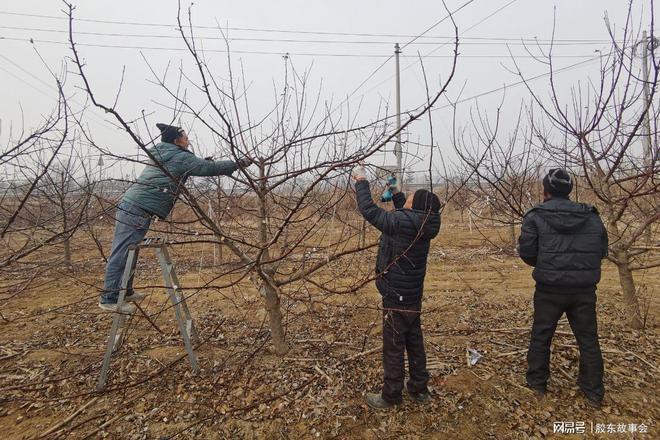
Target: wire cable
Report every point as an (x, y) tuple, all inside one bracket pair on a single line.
[(480, 40), (247, 29), (517, 83), (391, 56), (429, 55), (260, 52)]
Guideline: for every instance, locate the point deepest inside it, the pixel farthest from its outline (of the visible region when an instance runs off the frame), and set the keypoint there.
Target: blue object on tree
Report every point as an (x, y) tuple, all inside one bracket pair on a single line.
[(388, 194)]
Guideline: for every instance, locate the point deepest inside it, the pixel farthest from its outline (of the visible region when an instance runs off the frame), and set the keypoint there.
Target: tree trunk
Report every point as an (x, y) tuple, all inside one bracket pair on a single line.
[(623, 265), (67, 239), (67, 251), (272, 300), (629, 292), (512, 236), (363, 234), (268, 289), (217, 250)]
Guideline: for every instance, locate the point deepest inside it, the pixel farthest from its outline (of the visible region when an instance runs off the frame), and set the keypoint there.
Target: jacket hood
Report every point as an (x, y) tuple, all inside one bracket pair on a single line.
[(563, 215), (164, 151), (428, 222)]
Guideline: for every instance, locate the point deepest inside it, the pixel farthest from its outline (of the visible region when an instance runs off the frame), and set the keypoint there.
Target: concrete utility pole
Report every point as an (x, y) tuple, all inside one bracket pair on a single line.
[(646, 136), (100, 164), (397, 148)]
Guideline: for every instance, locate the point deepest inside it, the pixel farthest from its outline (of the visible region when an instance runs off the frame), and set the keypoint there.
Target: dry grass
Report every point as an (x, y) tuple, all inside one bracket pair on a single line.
[(52, 344)]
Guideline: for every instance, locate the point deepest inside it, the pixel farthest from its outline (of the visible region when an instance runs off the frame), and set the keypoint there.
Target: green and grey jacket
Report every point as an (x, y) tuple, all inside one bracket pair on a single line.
[(155, 192)]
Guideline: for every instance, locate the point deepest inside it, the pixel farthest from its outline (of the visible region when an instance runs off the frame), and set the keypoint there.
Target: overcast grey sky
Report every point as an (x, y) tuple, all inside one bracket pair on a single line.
[(338, 57)]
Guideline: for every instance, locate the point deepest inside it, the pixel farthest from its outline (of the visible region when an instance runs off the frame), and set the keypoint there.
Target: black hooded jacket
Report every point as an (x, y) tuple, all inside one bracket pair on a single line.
[(565, 242), (403, 247)]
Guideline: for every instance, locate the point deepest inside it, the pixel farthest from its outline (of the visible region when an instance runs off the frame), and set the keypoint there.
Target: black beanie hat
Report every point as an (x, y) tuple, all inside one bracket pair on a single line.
[(425, 200), (169, 133), (558, 183)]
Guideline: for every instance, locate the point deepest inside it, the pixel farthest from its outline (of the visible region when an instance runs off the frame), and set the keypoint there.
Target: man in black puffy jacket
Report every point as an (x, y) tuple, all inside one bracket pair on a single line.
[(400, 269), (565, 242)]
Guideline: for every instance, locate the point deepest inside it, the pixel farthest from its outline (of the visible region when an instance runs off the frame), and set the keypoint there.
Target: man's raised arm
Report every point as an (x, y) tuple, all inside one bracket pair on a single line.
[(383, 220), (196, 166)]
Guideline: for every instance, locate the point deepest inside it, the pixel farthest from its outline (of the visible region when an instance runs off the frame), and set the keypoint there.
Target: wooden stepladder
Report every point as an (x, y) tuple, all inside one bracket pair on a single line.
[(178, 300)]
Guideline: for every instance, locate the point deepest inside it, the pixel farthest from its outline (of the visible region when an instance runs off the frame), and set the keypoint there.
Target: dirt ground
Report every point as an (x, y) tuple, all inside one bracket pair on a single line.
[(52, 338)]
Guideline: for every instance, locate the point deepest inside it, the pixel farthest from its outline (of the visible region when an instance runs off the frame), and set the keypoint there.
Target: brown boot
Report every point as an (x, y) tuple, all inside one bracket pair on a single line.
[(376, 401)]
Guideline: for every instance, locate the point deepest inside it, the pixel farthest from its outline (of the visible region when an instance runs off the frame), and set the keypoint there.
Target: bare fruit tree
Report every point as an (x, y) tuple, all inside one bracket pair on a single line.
[(283, 224), (27, 163), (597, 130), (503, 168), (64, 196)]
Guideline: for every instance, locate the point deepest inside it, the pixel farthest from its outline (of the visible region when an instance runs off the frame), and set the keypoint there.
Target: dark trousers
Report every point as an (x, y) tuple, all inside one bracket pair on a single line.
[(402, 332), (580, 310)]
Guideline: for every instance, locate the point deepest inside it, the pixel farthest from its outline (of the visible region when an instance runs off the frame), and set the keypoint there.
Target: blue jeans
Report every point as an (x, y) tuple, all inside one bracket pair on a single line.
[(132, 224)]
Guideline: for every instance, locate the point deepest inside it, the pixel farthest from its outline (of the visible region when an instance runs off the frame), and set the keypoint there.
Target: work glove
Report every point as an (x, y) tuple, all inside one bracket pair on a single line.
[(359, 173), (244, 162)]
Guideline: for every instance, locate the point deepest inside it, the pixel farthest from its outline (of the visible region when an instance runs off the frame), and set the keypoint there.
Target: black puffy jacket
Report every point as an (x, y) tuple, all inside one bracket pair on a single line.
[(565, 242), (403, 247)]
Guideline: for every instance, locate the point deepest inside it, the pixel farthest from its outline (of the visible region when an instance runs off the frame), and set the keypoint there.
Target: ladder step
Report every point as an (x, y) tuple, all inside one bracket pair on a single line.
[(182, 313)]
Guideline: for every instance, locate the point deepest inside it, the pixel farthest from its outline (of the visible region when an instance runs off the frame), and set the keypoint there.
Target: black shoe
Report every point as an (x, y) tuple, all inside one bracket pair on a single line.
[(422, 397), (376, 401), (594, 402), (538, 391)]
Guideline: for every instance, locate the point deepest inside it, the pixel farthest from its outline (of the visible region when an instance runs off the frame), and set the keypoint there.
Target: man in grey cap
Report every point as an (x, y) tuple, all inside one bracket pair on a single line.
[(565, 242), (154, 194)]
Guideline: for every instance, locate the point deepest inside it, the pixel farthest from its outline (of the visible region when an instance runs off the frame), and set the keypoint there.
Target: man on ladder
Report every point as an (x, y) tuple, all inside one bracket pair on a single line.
[(154, 194)]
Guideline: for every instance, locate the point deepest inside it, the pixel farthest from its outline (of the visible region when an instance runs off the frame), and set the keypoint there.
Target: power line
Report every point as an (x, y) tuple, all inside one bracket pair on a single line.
[(517, 83), (27, 72), (291, 31), (96, 119), (26, 82), (390, 57), (479, 95), (247, 29), (481, 40), (429, 54), (257, 52), (437, 23)]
